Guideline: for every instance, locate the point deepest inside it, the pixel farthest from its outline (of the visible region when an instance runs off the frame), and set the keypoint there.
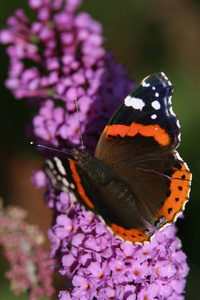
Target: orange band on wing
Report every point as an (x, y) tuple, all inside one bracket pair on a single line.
[(79, 185), (175, 203), (136, 236), (158, 133)]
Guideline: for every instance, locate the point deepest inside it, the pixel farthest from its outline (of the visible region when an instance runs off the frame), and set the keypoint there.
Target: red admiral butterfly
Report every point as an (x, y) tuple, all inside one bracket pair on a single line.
[(136, 181)]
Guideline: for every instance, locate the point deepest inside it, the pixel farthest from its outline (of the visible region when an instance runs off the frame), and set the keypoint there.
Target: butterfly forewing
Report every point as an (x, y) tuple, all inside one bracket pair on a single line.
[(145, 121)]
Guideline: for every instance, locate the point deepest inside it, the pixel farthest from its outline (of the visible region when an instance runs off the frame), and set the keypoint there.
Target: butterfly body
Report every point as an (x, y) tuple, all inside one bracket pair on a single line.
[(94, 167), (136, 181)]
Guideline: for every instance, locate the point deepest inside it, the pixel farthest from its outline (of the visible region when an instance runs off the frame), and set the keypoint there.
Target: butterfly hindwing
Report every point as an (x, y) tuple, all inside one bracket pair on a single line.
[(161, 185)]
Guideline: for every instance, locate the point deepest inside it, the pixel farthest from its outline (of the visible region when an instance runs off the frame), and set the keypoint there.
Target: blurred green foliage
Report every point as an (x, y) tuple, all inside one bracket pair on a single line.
[(146, 36)]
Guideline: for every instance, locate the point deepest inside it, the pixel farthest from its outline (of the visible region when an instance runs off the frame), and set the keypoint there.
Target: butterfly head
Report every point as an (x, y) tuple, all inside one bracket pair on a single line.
[(81, 157)]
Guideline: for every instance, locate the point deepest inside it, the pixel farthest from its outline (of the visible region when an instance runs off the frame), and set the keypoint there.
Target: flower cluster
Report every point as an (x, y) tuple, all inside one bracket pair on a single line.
[(53, 60), (59, 58), (30, 265), (100, 266)]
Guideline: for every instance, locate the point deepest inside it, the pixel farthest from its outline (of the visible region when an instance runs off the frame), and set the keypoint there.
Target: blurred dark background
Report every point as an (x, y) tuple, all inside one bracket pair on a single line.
[(147, 37)]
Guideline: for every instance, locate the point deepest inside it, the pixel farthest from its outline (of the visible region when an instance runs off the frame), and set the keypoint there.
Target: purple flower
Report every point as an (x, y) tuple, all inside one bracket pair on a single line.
[(98, 264), (39, 179), (80, 68), (31, 268)]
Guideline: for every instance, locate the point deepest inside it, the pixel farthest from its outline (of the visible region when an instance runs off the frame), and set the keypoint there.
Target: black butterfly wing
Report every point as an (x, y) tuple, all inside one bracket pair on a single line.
[(68, 176), (139, 142), (144, 122), (160, 184), (112, 202)]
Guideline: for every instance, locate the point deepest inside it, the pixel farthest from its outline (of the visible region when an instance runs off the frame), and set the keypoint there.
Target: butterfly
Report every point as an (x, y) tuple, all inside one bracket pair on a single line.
[(136, 182)]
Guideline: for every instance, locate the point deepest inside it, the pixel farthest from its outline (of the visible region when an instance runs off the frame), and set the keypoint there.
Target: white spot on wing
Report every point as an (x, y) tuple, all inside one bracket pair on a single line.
[(60, 166), (65, 182), (144, 84), (51, 166), (154, 116), (136, 103), (72, 186), (58, 177), (156, 105), (157, 94)]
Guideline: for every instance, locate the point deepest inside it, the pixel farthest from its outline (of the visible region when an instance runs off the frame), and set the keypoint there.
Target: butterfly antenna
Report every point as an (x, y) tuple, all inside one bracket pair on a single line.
[(51, 149), (79, 124)]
